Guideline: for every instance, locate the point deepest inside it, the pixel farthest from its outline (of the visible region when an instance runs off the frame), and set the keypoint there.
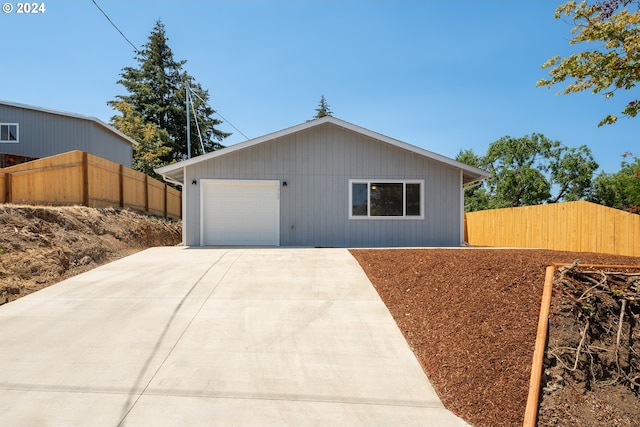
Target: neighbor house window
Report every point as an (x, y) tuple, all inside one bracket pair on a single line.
[(385, 199), (8, 132)]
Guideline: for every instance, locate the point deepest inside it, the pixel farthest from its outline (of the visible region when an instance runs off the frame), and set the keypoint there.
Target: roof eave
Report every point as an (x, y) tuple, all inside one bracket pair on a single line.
[(174, 176), (473, 172), (72, 115)]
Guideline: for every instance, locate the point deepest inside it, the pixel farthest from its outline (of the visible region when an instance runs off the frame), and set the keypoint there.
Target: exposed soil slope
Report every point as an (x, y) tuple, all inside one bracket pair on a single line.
[(592, 368), (470, 316), (40, 246)]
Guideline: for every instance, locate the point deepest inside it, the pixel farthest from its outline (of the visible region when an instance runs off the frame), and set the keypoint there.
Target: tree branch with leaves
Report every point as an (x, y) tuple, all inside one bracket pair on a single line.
[(153, 142), (611, 66)]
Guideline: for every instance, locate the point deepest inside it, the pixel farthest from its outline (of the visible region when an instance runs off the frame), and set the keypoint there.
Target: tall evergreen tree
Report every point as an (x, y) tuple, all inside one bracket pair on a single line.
[(323, 109), (157, 92)]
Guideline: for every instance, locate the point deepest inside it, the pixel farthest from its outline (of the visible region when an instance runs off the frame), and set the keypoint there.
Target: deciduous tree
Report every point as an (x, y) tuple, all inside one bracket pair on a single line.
[(620, 190), (152, 141), (476, 196), (611, 58), (528, 171)]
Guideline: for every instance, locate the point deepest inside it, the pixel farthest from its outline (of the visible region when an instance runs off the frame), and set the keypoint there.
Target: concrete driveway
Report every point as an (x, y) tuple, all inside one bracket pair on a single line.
[(212, 337)]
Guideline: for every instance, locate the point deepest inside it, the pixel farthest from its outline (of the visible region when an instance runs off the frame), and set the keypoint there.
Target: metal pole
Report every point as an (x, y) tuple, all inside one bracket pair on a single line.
[(186, 89)]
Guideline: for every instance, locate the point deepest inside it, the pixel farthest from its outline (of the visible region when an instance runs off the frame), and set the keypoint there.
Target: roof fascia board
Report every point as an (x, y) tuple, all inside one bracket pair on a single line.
[(338, 122), (240, 146), (412, 148), (72, 115)]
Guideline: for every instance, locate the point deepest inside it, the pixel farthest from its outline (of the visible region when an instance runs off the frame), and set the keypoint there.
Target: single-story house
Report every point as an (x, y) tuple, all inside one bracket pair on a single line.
[(325, 182), (36, 132)]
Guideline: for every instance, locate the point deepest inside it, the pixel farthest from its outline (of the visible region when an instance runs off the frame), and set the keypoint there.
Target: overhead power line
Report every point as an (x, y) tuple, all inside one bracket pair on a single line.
[(135, 49), (230, 124), (216, 112)]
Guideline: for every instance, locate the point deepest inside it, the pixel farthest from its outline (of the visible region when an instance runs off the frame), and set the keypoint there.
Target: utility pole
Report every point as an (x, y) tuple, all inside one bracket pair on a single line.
[(186, 89)]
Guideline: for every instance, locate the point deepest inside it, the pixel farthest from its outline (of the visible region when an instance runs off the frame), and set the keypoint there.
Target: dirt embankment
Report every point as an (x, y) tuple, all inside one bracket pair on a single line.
[(40, 246)]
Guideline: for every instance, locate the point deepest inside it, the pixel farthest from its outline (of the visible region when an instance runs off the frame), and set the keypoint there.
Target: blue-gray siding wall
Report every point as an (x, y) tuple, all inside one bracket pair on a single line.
[(43, 134), (317, 165)]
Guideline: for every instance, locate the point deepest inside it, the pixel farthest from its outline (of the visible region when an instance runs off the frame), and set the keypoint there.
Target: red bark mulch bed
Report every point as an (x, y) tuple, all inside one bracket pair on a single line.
[(470, 315)]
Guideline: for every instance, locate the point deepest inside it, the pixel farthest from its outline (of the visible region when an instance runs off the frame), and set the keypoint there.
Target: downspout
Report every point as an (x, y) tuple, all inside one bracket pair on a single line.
[(462, 189)]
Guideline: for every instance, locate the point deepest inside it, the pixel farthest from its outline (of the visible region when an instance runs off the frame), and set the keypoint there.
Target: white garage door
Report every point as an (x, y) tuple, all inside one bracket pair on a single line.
[(240, 212)]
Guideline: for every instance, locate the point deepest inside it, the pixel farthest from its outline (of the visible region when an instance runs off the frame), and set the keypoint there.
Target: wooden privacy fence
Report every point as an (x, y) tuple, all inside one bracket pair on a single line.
[(79, 178), (571, 226)]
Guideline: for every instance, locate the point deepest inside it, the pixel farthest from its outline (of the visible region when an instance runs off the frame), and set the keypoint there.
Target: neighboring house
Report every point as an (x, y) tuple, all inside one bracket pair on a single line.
[(325, 182), (37, 132)]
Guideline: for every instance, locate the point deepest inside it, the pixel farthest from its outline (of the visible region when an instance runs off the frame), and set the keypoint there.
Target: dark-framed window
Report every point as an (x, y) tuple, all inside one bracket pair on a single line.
[(9, 132), (386, 199)]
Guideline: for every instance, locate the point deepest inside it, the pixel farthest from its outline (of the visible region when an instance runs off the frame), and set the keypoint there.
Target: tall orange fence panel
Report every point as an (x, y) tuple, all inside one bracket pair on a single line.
[(80, 178), (572, 226)]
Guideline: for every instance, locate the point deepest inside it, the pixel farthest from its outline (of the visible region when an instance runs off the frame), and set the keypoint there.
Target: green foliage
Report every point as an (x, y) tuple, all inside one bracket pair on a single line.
[(588, 310), (572, 172), (528, 171), (323, 109), (611, 64), (156, 91), (620, 190), (153, 142), (476, 196), (516, 171)]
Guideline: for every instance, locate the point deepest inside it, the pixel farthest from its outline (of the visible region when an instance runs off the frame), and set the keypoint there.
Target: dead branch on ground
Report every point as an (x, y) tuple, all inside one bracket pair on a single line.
[(605, 308)]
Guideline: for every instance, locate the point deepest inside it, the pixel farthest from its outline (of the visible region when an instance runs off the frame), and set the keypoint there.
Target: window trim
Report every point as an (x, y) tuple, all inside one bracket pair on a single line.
[(17, 125), (404, 183)]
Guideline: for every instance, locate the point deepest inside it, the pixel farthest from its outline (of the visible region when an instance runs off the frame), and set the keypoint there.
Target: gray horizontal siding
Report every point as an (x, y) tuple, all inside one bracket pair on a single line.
[(317, 165), (43, 134)]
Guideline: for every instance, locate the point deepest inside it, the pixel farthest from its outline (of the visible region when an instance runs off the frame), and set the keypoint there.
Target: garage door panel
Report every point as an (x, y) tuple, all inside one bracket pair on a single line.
[(240, 212)]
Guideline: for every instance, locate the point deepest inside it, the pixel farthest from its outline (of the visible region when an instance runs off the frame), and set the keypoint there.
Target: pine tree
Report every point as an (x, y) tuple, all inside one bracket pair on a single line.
[(323, 109), (157, 92)]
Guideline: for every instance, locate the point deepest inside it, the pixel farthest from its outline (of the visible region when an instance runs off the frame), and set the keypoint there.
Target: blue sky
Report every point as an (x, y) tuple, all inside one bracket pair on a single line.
[(444, 76)]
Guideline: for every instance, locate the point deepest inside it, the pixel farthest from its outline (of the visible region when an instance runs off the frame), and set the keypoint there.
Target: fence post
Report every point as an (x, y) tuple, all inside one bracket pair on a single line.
[(121, 173), (165, 199), (7, 188), (146, 193), (85, 178)]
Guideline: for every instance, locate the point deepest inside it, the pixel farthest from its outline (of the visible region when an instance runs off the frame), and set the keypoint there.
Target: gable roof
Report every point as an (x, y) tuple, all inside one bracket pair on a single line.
[(175, 171), (72, 115)]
